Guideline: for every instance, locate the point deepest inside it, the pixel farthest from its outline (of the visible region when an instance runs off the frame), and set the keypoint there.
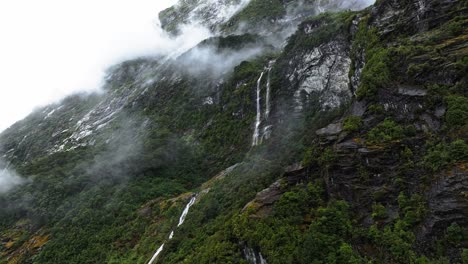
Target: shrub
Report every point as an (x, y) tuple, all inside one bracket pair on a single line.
[(457, 111), (441, 155), (352, 123), (376, 109), (376, 74), (328, 156), (465, 256), (386, 131), (416, 69), (378, 211), (412, 209), (458, 150), (455, 234), (310, 156), (455, 28)]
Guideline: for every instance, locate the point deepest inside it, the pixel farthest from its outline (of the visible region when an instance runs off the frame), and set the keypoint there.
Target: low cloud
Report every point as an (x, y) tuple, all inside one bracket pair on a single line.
[(208, 60), (9, 180)]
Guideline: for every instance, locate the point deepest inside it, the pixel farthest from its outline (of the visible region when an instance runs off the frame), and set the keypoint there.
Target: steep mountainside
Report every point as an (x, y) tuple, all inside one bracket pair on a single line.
[(300, 132)]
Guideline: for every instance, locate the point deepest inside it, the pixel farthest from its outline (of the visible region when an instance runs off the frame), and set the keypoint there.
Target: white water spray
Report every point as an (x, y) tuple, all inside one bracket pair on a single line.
[(255, 138)]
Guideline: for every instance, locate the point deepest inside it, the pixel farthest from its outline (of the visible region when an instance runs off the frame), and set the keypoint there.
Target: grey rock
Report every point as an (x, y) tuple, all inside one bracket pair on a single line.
[(411, 91), (440, 111), (432, 124), (330, 130), (347, 145)]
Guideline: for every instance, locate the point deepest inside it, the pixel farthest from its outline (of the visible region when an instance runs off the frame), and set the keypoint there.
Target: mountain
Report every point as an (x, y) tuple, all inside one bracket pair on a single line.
[(300, 132)]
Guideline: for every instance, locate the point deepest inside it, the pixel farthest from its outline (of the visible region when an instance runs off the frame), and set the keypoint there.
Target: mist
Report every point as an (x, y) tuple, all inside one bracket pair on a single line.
[(210, 61), (51, 49), (9, 179)]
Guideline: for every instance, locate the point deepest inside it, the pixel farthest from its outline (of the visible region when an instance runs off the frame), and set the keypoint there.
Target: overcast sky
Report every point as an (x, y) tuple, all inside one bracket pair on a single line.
[(51, 48)]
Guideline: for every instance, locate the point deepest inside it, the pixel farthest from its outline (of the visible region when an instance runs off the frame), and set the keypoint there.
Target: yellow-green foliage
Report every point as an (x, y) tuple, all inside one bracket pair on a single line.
[(352, 123)]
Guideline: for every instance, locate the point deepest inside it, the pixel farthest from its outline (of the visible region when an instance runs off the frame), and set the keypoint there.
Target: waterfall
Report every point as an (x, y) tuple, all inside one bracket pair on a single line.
[(186, 210), (181, 221), (160, 249), (259, 135), (253, 257), (268, 92), (267, 129), (255, 139)]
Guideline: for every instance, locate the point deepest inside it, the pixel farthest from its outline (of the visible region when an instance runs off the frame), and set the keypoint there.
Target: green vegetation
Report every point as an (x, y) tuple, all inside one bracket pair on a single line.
[(352, 123), (455, 234), (385, 132), (378, 211), (259, 11), (376, 73), (117, 201), (457, 111), (465, 256), (441, 155)]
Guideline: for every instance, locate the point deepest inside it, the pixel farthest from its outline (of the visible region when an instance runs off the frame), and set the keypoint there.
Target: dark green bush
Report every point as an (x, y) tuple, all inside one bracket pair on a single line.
[(457, 111), (376, 74), (352, 123), (465, 256), (384, 132), (443, 154), (455, 234), (378, 211)]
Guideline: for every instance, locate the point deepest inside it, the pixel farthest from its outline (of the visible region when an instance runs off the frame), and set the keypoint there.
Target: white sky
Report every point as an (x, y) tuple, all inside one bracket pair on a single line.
[(52, 48)]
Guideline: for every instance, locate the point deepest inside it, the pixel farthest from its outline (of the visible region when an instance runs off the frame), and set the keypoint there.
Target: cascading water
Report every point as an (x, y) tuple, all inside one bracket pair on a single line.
[(186, 210), (267, 129), (254, 257), (258, 120), (181, 221), (160, 249), (265, 134), (268, 92)]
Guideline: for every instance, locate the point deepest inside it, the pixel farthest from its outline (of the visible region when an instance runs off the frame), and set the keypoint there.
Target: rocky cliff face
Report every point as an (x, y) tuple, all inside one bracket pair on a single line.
[(370, 106)]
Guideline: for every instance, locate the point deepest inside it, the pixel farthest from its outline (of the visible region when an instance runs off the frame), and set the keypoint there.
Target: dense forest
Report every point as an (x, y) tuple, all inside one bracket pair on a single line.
[(300, 132)]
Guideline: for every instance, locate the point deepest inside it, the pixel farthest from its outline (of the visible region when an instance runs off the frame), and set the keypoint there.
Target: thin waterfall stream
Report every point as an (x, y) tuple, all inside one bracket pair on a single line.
[(260, 134), (182, 218), (258, 120)]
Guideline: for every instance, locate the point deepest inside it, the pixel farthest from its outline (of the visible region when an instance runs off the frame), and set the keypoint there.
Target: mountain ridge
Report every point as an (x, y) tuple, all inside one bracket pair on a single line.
[(345, 143)]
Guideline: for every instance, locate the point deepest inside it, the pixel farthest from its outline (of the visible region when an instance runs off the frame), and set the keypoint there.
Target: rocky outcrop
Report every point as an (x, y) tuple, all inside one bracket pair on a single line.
[(412, 16), (322, 73), (447, 204), (263, 203), (208, 13)]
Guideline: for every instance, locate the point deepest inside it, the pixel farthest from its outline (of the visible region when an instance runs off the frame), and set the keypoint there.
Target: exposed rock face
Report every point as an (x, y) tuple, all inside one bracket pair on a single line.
[(447, 204), (209, 13), (317, 76), (262, 205), (330, 130), (413, 16), (322, 73)]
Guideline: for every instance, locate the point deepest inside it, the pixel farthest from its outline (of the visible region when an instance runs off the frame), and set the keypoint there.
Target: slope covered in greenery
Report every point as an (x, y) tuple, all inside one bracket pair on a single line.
[(363, 154)]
